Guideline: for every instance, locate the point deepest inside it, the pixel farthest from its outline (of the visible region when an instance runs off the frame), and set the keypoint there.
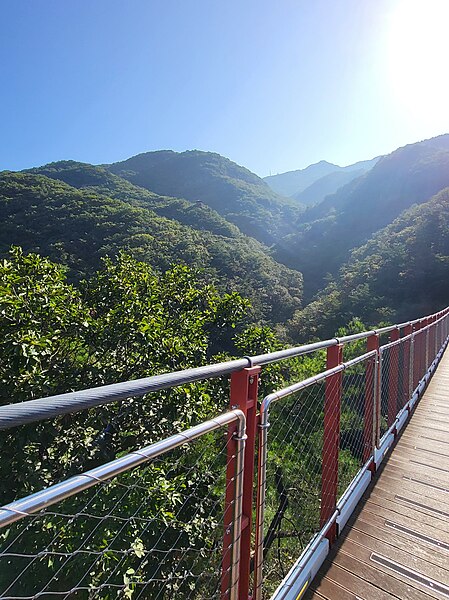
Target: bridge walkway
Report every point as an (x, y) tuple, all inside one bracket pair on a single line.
[(396, 545)]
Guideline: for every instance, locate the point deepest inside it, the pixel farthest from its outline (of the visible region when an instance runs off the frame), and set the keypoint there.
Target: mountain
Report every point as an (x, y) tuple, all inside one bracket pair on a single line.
[(294, 182), (329, 184), (348, 218), (80, 226), (231, 190), (297, 184), (401, 273), (99, 180)]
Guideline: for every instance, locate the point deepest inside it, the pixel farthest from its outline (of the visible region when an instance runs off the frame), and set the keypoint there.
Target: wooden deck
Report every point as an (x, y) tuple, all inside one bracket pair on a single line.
[(397, 543)]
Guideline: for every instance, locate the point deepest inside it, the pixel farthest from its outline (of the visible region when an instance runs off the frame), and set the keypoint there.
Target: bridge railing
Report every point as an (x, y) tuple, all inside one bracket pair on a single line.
[(148, 524), (244, 505)]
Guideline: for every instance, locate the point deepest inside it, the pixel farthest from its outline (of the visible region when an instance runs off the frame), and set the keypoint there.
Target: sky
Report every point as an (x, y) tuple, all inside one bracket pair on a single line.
[(274, 85)]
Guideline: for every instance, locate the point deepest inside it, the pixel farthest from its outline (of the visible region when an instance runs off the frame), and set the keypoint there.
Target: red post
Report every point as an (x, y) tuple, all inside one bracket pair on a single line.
[(244, 386), (393, 378), (331, 439), (406, 366), (372, 405), (426, 350)]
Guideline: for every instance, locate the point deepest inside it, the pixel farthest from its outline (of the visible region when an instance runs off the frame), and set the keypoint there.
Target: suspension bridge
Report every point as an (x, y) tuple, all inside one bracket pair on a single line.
[(333, 487)]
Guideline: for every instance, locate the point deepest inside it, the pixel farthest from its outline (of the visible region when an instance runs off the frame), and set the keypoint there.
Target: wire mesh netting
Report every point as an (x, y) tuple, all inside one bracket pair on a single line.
[(356, 420), (294, 465), (394, 382), (153, 532), (293, 480)]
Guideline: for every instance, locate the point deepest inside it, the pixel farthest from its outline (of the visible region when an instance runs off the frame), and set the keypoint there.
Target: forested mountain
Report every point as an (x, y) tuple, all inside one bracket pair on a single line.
[(77, 213), (294, 183), (234, 192), (348, 218), (329, 184), (400, 274), (78, 227), (99, 180)]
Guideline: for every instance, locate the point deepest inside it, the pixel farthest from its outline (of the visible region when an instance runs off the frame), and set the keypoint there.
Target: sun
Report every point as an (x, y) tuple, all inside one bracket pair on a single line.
[(417, 57)]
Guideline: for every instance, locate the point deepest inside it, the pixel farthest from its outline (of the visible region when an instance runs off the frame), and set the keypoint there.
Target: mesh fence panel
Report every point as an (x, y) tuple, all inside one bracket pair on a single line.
[(153, 532), (356, 404), (293, 484), (395, 380)]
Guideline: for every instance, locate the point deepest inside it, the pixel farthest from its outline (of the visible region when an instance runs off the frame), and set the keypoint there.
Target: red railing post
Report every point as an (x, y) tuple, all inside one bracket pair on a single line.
[(393, 378), (331, 439), (434, 339), (427, 323), (243, 395), (371, 419)]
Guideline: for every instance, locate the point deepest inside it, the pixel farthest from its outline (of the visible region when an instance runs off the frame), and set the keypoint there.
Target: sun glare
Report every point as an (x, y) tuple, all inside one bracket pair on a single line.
[(418, 59)]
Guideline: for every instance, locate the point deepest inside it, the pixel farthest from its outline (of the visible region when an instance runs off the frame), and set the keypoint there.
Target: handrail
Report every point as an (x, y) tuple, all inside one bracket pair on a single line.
[(388, 378), (30, 411)]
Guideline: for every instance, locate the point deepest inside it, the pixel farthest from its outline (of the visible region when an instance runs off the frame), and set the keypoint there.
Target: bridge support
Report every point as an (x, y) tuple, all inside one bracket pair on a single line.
[(331, 440), (244, 386)]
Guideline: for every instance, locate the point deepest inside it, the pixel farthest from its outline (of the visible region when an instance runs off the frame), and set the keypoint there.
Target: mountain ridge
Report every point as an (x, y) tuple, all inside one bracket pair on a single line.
[(294, 183), (342, 221), (233, 191)]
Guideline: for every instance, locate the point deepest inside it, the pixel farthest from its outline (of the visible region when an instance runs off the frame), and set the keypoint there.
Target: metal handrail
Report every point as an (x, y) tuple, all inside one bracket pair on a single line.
[(56, 493), (30, 411)]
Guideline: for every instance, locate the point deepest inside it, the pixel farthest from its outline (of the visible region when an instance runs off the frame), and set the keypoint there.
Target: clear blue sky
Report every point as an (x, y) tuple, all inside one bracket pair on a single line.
[(273, 84)]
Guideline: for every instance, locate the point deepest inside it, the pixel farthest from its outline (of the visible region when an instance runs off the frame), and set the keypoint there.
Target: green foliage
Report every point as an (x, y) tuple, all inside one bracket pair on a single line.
[(329, 231), (400, 274), (126, 322), (42, 328), (234, 192), (79, 227)]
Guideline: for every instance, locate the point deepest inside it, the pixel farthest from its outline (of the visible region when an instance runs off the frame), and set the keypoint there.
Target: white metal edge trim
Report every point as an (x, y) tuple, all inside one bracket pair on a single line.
[(379, 453), (352, 500), (302, 573), (402, 419)]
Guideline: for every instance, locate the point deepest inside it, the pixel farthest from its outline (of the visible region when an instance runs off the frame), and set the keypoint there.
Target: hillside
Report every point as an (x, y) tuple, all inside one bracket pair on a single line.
[(294, 182), (348, 218), (231, 190), (99, 180), (399, 274), (297, 183), (329, 184), (80, 226)]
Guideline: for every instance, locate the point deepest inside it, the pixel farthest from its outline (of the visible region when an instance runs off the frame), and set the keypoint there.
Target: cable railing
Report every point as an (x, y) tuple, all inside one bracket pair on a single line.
[(244, 504)]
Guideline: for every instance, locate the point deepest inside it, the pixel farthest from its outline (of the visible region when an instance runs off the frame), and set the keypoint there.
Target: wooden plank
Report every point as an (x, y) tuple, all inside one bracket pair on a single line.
[(361, 554), (380, 578), (408, 494), (394, 479), (424, 443), (405, 558), (423, 456), (350, 583), (418, 471), (404, 513), (397, 541), (330, 590), (425, 524), (375, 526)]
